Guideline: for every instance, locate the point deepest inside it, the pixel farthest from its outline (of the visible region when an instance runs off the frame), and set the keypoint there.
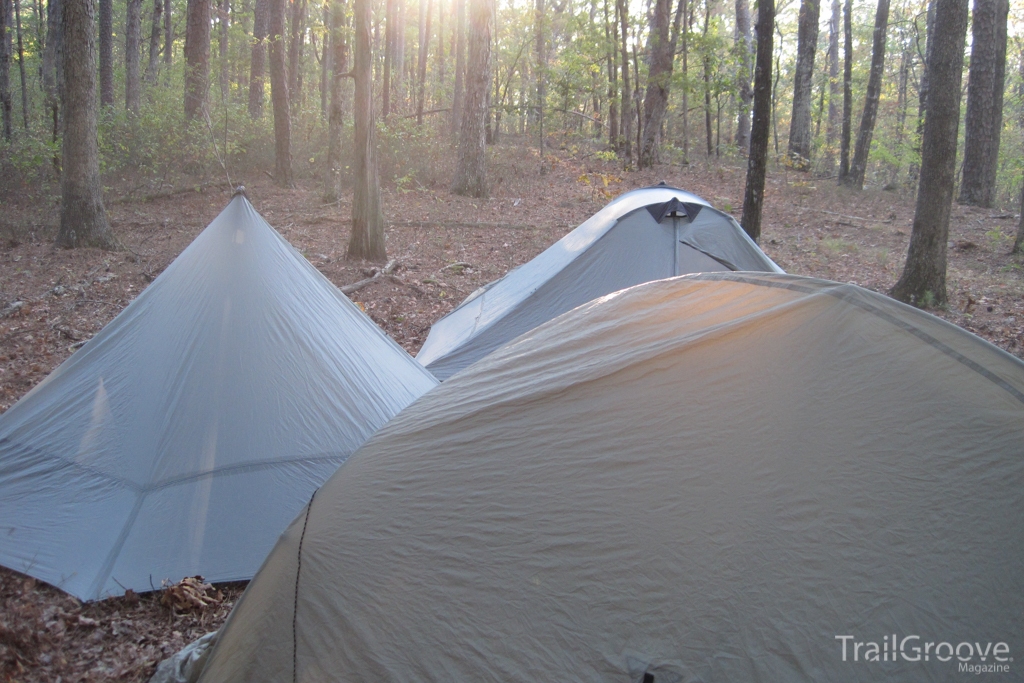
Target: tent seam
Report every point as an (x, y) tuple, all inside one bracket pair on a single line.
[(295, 606), (115, 551), (233, 469), (711, 256), (60, 462), (64, 463)]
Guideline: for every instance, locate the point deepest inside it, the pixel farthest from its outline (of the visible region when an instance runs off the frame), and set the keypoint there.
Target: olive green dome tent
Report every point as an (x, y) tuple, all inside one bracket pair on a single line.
[(721, 477)]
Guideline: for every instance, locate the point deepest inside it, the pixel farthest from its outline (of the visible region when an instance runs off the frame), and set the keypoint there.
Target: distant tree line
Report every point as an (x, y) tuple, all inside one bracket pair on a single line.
[(855, 91)]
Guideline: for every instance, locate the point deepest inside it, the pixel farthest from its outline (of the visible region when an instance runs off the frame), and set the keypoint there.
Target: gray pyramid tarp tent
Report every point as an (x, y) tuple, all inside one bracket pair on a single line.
[(185, 436), (706, 478), (647, 234)]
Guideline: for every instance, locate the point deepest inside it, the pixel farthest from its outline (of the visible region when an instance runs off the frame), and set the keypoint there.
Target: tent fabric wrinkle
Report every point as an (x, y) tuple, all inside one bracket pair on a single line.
[(703, 478), (183, 437), (643, 235)]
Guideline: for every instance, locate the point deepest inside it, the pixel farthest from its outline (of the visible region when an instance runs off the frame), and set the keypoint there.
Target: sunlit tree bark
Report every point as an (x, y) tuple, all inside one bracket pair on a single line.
[(661, 48), (471, 169)]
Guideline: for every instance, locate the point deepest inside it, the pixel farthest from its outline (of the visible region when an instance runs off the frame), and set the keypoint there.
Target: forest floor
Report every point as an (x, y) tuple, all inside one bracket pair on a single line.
[(53, 300)]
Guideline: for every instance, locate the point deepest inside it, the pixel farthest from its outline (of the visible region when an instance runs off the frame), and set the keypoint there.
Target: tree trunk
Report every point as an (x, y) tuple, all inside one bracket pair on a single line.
[(398, 65), (458, 93), (106, 53), (905, 40), (835, 89), (326, 60), (421, 56), (168, 34), (439, 76), (197, 58), (821, 111), (775, 97), (626, 128), (258, 61), (922, 90), (367, 240), (522, 106), (237, 67), (154, 43), (867, 120), (611, 33), (490, 130), (540, 69), (339, 64), (37, 11), (635, 101), (6, 103), (844, 143), (706, 59), (1018, 243), (132, 49), (279, 95), (83, 220), (901, 102), (807, 45), (687, 24), (222, 48), (984, 119), (757, 161), (421, 76), (745, 93), (662, 50), (53, 71), (471, 172), (597, 124), (1020, 90), (375, 34), (21, 64), (391, 26), (49, 56), (661, 53), (923, 282), (298, 35)]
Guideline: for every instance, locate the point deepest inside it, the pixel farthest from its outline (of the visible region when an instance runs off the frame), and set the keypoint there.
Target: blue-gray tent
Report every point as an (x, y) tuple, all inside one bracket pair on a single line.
[(644, 235), (185, 435)]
